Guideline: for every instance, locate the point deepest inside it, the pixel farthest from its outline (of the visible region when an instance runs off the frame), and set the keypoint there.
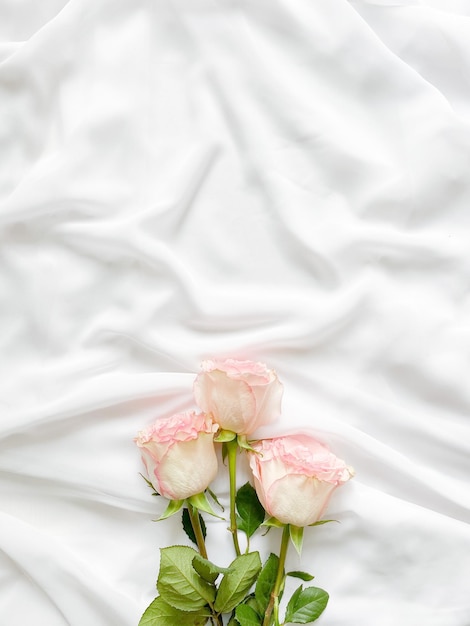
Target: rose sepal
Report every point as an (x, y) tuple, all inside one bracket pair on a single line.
[(222, 436), (173, 507), (273, 522), (149, 484), (216, 499), (296, 534), (244, 443), (200, 502)]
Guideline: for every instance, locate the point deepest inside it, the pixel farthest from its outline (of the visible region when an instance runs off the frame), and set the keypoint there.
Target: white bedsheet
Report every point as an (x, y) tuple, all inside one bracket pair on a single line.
[(278, 180)]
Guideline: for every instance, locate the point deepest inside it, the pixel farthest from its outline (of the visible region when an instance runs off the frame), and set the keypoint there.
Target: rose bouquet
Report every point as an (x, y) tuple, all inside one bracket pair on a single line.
[(293, 479)]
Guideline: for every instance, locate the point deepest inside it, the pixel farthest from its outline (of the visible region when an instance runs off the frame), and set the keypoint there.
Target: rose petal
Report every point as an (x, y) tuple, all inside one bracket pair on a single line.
[(188, 468), (231, 402)]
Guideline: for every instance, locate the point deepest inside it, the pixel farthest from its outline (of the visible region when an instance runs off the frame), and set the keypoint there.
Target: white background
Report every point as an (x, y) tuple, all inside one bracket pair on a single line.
[(278, 180)]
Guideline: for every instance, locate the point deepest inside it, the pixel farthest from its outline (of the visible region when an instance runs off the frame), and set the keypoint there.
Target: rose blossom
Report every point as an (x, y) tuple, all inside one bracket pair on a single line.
[(295, 476), (240, 395), (179, 455)]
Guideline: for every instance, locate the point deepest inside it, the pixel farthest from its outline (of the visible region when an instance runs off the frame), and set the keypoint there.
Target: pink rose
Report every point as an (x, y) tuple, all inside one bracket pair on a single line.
[(179, 455), (295, 476), (240, 395)]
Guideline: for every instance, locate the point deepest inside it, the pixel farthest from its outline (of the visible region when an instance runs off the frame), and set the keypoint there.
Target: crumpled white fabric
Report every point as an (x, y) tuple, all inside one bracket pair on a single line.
[(281, 181)]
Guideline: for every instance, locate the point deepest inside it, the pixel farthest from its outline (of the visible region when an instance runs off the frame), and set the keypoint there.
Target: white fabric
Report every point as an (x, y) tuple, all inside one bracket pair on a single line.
[(278, 180)]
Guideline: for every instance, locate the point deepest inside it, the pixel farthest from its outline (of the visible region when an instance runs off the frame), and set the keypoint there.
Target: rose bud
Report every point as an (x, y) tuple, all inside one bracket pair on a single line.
[(240, 395), (295, 476), (179, 454)]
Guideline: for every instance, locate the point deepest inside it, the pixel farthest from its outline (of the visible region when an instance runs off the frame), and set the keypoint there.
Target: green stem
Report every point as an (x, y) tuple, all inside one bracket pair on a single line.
[(196, 524), (232, 449), (273, 606), (201, 544)]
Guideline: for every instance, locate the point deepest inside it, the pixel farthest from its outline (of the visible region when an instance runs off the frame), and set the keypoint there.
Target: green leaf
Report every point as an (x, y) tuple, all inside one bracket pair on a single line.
[(250, 509), (178, 583), (324, 521), (200, 502), (265, 582), (207, 570), (224, 435), (306, 605), (188, 527), (302, 575), (237, 582), (247, 616), (297, 536), (293, 600), (251, 601), (173, 507), (159, 613)]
